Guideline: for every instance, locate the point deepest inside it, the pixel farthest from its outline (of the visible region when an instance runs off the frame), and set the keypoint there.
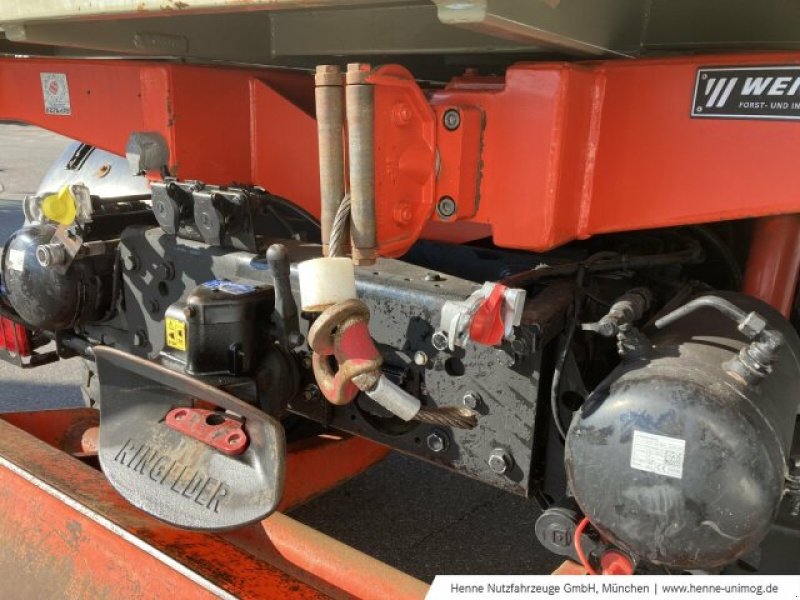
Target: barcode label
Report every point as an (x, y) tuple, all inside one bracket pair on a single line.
[(658, 454)]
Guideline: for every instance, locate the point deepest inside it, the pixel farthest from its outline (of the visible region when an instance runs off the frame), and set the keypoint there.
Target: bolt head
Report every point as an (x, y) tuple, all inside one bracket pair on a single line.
[(451, 119), (165, 271), (500, 461), (436, 441), (439, 340), (433, 277), (311, 393), (504, 358), (420, 358), (472, 399), (296, 339), (446, 207)]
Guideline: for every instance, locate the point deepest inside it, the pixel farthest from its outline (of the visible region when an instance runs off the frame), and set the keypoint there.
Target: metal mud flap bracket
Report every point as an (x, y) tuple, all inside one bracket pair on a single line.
[(188, 465)]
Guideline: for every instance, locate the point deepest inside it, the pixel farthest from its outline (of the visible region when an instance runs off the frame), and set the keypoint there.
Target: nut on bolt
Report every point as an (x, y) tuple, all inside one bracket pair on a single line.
[(500, 461), (472, 399), (311, 393), (165, 271), (446, 207), (451, 119), (752, 325), (439, 340), (437, 441)]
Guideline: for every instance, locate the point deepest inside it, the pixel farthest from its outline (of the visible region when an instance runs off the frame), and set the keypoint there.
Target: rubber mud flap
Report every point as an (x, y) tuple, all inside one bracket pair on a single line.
[(170, 475)]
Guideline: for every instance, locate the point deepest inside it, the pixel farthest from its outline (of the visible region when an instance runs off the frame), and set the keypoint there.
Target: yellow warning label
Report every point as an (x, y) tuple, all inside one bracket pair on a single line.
[(176, 334)]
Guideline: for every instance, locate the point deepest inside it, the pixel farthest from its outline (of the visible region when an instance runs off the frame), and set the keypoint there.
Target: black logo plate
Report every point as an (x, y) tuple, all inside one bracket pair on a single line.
[(747, 93)]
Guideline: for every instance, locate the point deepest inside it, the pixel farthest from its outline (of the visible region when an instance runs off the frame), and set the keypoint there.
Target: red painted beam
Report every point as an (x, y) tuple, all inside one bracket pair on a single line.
[(774, 262), (547, 154), (91, 543)]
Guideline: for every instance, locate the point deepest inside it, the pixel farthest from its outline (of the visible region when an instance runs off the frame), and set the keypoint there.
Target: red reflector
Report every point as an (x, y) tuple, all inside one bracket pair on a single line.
[(9, 335), (14, 337)]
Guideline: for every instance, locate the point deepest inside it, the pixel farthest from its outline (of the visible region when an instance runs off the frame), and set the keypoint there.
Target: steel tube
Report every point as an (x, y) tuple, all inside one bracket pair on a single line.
[(338, 568), (774, 261), (360, 101), (329, 95)]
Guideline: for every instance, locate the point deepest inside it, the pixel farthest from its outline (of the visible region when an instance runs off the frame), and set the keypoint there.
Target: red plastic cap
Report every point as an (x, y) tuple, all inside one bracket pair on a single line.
[(616, 563)]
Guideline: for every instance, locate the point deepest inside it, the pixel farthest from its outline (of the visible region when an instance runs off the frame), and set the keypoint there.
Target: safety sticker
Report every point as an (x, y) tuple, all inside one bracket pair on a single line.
[(16, 259), (658, 454), (176, 334), (747, 93), (237, 289), (56, 94)]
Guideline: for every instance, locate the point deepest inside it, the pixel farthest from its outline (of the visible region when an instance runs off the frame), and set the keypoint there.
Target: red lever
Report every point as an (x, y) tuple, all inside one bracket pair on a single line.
[(487, 323), (212, 428)]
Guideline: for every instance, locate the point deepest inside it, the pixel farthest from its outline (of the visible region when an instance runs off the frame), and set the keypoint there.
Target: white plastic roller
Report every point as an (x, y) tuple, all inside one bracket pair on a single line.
[(326, 281)]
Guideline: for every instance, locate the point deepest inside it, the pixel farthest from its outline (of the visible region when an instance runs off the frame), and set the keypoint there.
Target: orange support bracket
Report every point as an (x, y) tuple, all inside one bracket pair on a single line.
[(66, 532)]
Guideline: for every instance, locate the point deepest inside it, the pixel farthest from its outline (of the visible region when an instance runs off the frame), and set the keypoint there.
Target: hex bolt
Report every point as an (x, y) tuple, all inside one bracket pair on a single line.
[(472, 399), (451, 119), (504, 358), (296, 339), (439, 340), (420, 358), (311, 393), (165, 271), (437, 441), (500, 461), (446, 207), (154, 306)]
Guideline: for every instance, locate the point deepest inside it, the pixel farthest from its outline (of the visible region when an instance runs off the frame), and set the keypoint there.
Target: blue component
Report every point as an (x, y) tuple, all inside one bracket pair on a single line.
[(223, 285)]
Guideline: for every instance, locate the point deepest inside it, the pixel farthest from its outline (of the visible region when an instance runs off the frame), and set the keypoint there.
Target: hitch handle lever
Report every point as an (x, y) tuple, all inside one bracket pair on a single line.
[(285, 306)]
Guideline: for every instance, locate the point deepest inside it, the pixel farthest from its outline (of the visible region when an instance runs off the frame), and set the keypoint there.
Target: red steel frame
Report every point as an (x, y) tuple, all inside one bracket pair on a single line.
[(549, 153), (92, 543)]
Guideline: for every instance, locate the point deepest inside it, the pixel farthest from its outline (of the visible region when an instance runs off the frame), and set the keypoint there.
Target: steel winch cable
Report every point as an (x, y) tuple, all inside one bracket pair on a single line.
[(459, 417), (340, 228), (448, 416)]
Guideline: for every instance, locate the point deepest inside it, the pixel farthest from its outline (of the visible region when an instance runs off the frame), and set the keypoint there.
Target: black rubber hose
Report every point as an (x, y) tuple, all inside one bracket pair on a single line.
[(692, 254)]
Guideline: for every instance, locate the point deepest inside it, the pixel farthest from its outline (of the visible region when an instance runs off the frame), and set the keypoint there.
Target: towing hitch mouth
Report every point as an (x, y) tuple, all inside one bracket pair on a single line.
[(173, 472)]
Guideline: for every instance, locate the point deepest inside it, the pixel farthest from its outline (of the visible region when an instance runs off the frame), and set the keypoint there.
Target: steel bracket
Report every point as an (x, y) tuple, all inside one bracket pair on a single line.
[(174, 477)]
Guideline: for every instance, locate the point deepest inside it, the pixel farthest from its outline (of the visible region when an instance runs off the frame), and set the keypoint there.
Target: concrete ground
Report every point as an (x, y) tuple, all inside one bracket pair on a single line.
[(414, 516)]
